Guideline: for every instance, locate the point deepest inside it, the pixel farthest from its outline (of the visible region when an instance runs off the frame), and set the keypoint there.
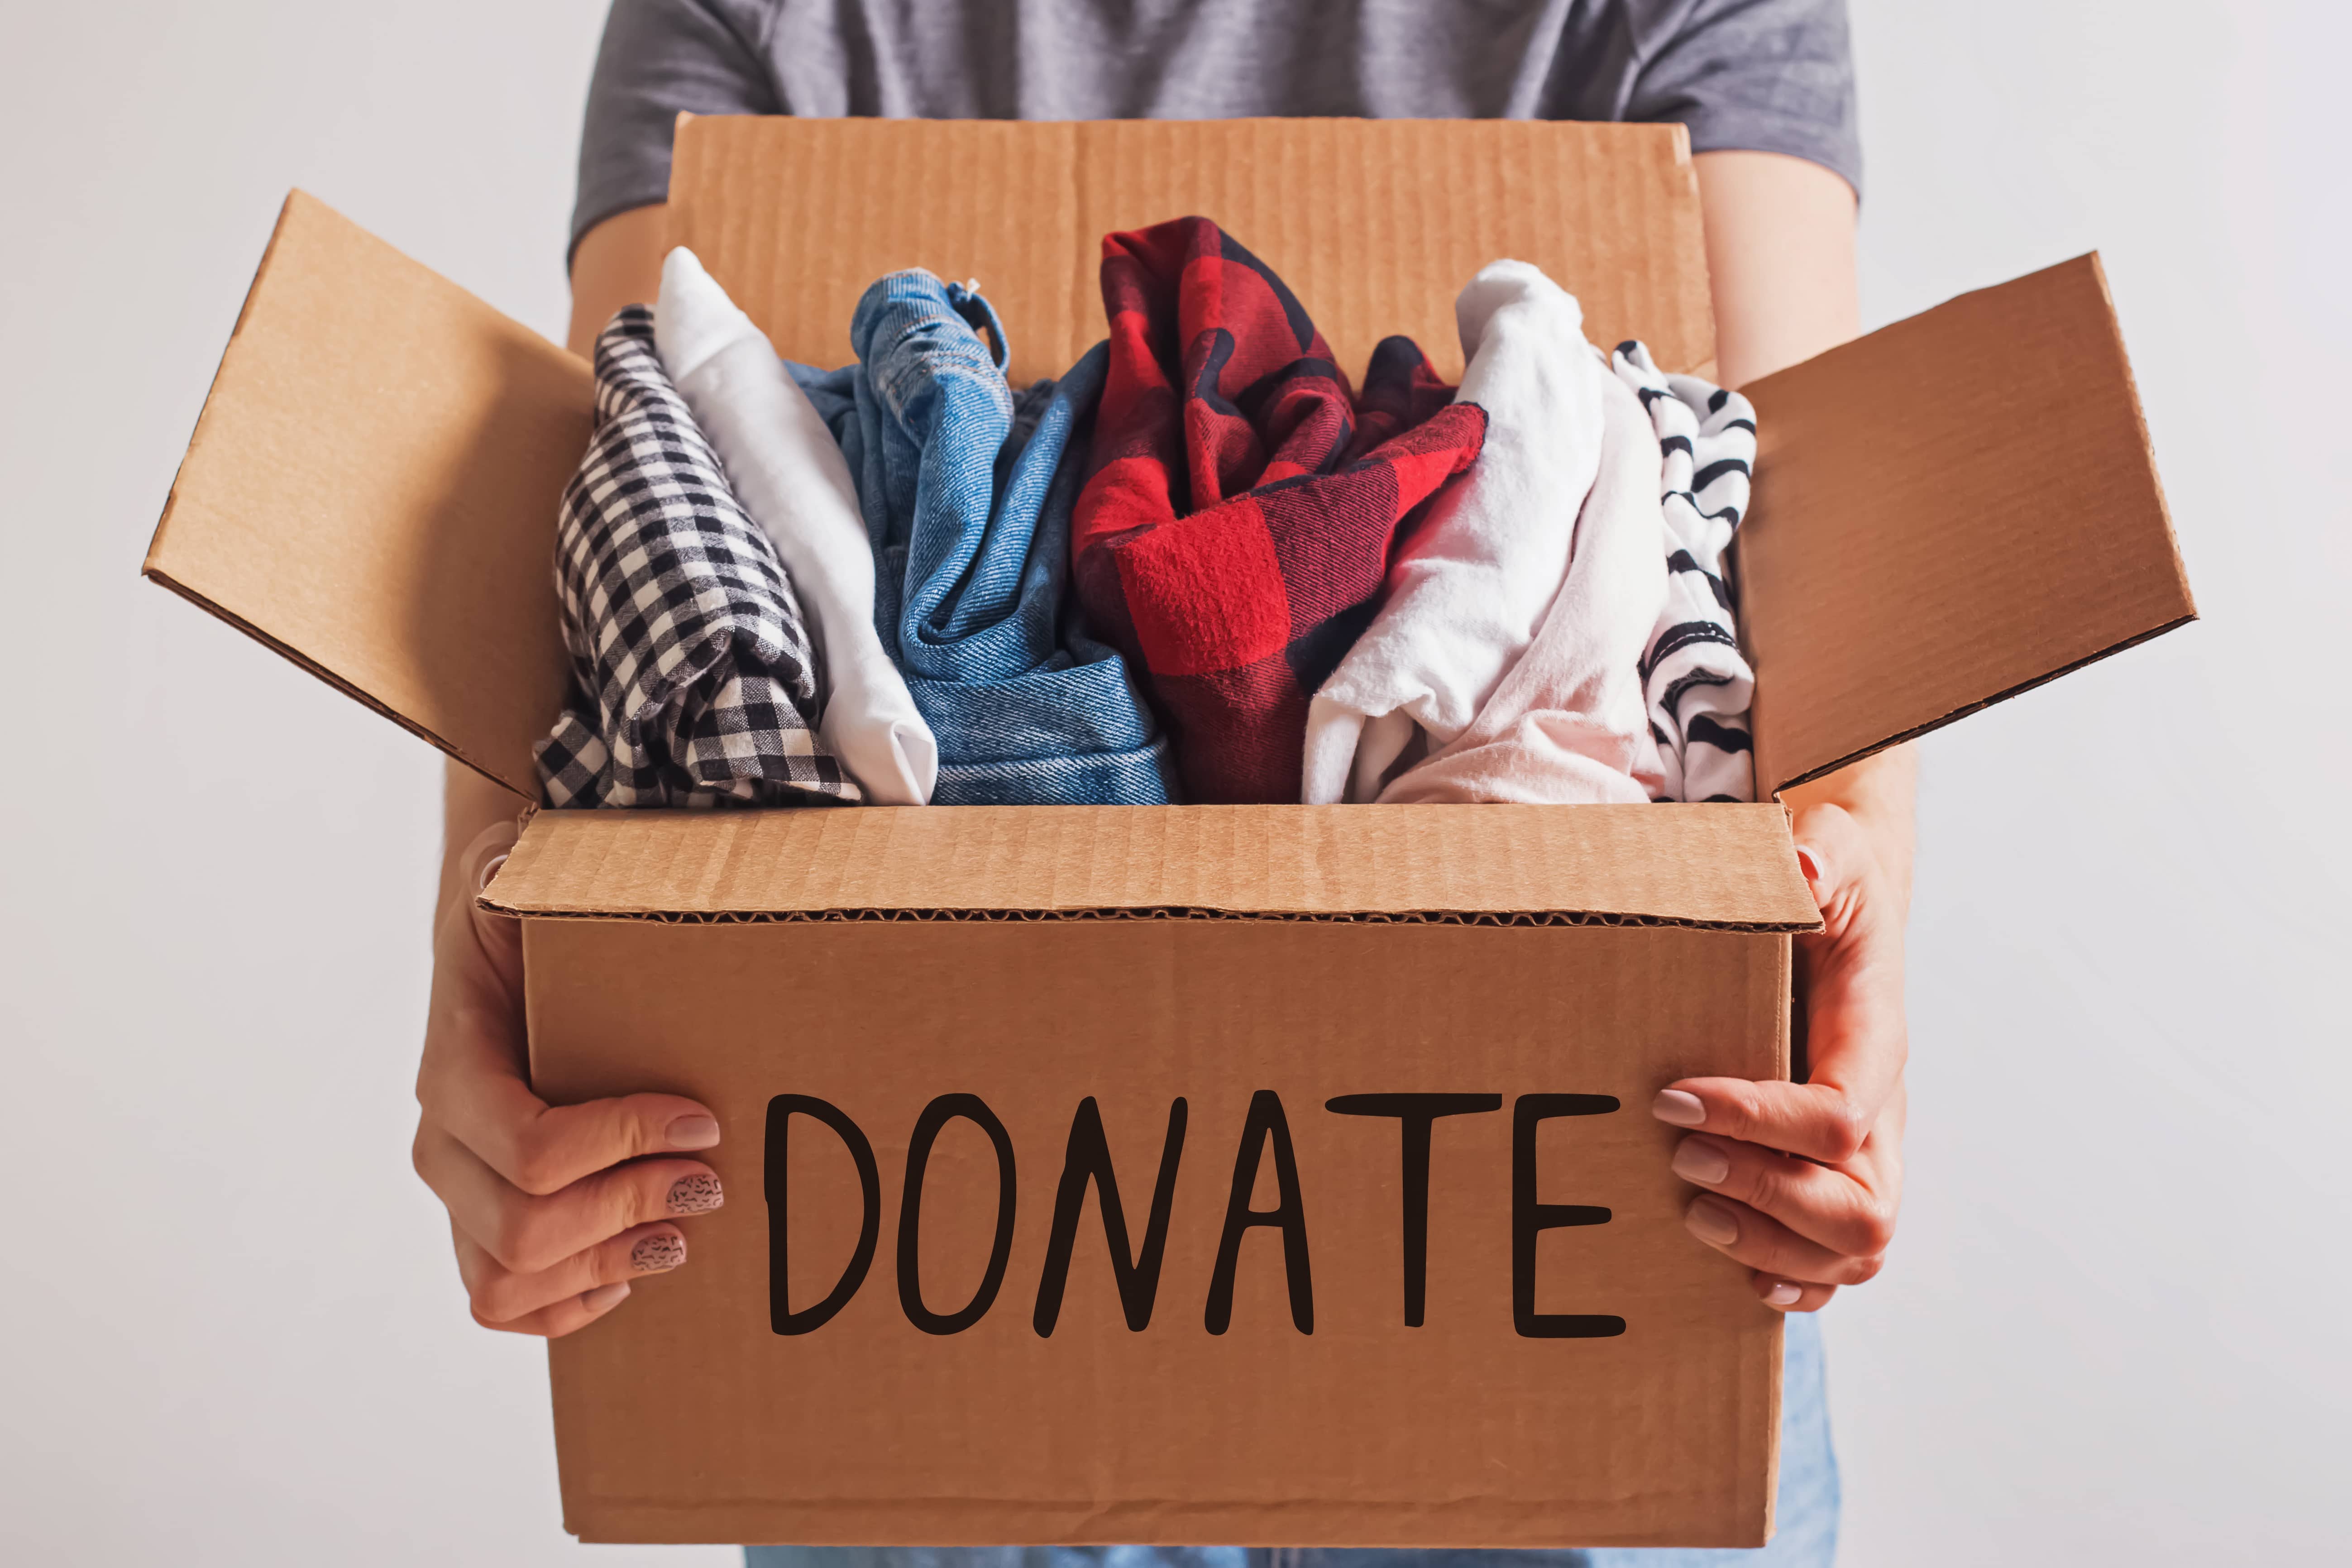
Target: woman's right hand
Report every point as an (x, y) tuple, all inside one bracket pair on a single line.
[(554, 1208)]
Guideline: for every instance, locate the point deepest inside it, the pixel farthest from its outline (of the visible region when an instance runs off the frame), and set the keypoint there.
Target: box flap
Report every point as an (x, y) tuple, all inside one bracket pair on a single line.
[(1945, 513), (1717, 866), (1375, 225), (371, 490), (794, 218)]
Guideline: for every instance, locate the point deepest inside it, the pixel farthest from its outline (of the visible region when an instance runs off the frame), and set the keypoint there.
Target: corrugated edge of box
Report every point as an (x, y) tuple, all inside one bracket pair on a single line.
[(1713, 867)]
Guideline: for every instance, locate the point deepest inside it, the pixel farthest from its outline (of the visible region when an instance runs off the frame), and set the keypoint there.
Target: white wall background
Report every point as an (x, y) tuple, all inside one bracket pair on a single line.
[(2112, 1327)]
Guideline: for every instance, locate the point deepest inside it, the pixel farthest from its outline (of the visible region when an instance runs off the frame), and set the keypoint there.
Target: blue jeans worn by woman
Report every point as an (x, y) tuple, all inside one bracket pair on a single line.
[(1806, 1537)]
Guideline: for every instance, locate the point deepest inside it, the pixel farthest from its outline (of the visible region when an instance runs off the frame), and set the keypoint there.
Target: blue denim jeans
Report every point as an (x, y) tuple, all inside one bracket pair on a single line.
[(1806, 1536), (967, 489)]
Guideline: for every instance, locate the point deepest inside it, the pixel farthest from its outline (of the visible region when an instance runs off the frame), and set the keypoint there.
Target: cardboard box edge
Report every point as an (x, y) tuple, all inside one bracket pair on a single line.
[(627, 1521), (1784, 909), (2098, 268), (1979, 706), (303, 662), (149, 565)]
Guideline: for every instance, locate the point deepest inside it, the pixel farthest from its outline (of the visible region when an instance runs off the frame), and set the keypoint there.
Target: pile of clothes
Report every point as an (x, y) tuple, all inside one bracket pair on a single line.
[(1200, 566)]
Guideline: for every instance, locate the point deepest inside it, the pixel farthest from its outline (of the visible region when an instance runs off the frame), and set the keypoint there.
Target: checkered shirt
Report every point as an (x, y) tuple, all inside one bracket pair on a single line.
[(695, 683), (1236, 526)]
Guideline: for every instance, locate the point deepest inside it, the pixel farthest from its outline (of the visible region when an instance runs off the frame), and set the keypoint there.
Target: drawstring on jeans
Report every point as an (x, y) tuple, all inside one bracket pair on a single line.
[(973, 307)]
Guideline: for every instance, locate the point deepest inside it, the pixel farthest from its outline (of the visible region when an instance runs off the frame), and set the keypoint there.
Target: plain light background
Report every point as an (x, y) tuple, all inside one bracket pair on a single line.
[(2111, 1331)]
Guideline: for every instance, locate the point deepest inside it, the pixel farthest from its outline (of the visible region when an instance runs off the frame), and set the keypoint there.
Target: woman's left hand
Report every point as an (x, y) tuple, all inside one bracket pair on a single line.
[(1802, 1180)]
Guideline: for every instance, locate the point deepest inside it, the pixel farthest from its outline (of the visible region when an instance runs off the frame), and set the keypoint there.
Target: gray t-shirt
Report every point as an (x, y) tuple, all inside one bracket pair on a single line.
[(1775, 75)]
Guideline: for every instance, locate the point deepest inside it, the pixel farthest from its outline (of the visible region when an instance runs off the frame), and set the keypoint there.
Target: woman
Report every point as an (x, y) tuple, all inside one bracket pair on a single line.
[(1800, 1180)]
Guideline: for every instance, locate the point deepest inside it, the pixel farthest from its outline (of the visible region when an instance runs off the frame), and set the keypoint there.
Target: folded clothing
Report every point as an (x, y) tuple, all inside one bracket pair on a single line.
[(1235, 526), (1700, 687), (787, 472), (1565, 724), (967, 493), (695, 683), (1468, 589)]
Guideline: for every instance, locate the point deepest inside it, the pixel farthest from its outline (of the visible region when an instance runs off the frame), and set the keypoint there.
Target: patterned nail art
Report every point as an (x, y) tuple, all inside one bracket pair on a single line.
[(695, 1194), (663, 1249)]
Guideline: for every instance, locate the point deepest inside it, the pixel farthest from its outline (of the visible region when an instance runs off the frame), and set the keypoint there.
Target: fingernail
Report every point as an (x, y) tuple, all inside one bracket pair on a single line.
[(695, 1194), (603, 1296), (663, 1249), (1682, 1110), (1705, 1219), (1808, 862), (1783, 1294), (1699, 1161), (693, 1133)]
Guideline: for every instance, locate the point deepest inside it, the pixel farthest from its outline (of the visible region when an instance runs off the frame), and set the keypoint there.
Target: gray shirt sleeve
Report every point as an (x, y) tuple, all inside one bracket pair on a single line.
[(1768, 76), (659, 56)]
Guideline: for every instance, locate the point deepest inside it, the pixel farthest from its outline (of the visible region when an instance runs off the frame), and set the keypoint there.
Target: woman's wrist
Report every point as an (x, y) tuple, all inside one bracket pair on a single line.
[(1881, 794), (470, 804)]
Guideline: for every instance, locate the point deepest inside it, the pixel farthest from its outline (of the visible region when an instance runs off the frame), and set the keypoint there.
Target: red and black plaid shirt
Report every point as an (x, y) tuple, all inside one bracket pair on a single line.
[(1237, 522)]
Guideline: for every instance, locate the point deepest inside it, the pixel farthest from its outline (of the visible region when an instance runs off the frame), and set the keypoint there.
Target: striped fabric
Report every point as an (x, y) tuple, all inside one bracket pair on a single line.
[(1698, 684)]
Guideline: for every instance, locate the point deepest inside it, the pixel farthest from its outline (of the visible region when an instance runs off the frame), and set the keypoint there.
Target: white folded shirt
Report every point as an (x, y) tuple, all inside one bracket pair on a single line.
[(1471, 587), (789, 475), (1566, 726)]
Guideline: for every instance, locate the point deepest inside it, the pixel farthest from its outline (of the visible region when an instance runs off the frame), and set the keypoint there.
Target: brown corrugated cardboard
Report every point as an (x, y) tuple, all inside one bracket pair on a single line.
[(371, 490), (1374, 223), (1945, 513), (1671, 865), (876, 960), (690, 1418)]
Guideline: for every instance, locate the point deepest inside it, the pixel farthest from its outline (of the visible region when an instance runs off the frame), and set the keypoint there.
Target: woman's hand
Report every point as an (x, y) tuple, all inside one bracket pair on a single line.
[(554, 1208), (1803, 1179)]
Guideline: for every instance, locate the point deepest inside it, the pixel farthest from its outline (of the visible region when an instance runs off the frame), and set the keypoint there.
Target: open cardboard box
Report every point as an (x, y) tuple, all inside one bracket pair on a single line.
[(1470, 1322)]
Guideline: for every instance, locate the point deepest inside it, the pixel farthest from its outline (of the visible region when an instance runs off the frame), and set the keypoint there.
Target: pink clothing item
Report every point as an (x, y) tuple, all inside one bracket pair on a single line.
[(1568, 725), (1469, 587)]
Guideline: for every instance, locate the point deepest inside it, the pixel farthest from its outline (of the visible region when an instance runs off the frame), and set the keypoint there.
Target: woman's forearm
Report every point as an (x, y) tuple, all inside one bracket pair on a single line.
[(616, 263), (1780, 259), (1780, 255)]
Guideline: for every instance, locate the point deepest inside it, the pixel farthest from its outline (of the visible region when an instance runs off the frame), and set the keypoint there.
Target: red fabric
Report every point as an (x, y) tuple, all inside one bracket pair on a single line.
[(1238, 517)]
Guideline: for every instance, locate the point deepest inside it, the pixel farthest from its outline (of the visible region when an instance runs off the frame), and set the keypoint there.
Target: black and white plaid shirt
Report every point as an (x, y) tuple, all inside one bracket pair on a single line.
[(695, 683)]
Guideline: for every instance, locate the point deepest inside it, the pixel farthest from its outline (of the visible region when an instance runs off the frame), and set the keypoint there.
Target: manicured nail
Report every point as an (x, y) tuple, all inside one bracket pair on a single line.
[(1696, 1159), (1705, 1219), (1682, 1110), (662, 1250), (1784, 1293), (603, 1296), (1809, 863), (693, 1133), (695, 1194)]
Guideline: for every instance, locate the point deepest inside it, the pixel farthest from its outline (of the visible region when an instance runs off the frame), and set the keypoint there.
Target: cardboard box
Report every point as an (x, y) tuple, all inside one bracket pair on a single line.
[(937, 1038)]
